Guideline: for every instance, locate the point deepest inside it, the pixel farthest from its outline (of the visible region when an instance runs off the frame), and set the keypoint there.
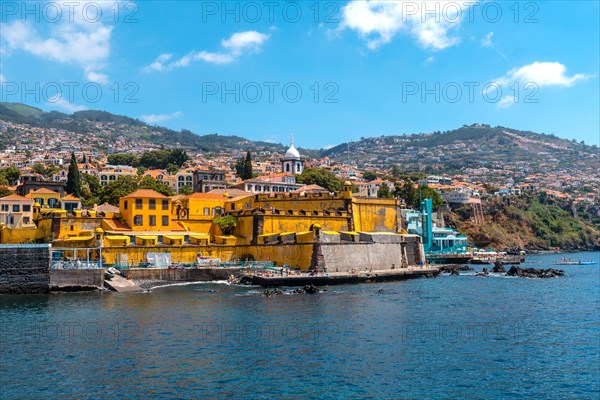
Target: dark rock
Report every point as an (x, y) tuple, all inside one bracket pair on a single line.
[(311, 289), (453, 269), (272, 292), (534, 272), (484, 272), (498, 267)]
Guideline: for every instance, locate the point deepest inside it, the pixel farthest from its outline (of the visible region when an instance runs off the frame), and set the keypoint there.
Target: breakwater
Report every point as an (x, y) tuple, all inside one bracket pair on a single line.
[(25, 268), (341, 278)]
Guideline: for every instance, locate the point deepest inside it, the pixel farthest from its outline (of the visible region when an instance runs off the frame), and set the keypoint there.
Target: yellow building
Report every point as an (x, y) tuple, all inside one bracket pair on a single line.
[(276, 213), (46, 198), (146, 210), (198, 210)]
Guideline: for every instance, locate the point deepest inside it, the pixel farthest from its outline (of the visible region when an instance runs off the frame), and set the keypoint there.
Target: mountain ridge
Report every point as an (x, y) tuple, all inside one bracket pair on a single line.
[(470, 146)]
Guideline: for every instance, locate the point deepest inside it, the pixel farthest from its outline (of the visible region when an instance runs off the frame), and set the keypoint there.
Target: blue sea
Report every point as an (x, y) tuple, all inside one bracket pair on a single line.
[(464, 337)]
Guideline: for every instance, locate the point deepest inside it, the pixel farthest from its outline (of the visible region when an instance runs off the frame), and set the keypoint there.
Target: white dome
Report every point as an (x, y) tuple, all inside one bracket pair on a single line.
[(292, 153)]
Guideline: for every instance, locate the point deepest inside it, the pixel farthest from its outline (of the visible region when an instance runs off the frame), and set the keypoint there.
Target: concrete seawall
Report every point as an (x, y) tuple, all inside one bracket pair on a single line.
[(388, 254), (76, 280), (180, 275), (24, 268)]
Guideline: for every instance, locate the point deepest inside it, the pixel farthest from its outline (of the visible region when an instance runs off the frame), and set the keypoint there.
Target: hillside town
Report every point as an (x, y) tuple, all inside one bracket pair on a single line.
[(51, 149), (469, 174)]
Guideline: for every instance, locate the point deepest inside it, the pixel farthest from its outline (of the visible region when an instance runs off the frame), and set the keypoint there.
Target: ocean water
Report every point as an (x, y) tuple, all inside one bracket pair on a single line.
[(462, 336)]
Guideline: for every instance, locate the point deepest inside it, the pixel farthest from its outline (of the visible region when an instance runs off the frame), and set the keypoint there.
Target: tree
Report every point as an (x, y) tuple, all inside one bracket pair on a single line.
[(226, 223), (243, 168), (321, 177), (369, 176), (148, 182), (186, 190), (4, 191), (384, 191), (91, 190), (73, 179), (84, 159), (10, 175), (124, 159), (248, 174), (119, 188), (39, 168), (239, 167), (425, 192), (155, 159), (407, 193), (178, 157), (172, 168)]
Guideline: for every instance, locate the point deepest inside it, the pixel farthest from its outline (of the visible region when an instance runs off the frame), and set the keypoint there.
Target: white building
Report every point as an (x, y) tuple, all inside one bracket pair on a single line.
[(292, 163)]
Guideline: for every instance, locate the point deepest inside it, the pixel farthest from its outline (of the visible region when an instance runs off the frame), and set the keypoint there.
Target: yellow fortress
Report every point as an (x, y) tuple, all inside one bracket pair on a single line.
[(301, 230)]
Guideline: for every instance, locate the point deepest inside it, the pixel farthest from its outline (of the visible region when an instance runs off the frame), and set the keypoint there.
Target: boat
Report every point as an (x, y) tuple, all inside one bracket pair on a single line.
[(571, 261)]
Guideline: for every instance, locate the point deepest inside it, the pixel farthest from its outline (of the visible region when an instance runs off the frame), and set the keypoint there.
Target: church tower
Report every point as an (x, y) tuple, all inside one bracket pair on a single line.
[(292, 163)]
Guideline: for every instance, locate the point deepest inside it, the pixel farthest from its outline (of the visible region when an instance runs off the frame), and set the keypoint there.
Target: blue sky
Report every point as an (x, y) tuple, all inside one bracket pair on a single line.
[(329, 72)]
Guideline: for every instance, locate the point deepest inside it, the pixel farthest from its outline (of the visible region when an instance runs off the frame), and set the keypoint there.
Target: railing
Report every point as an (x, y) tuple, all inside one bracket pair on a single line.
[(74, 265), (205, 263), (458, 248)]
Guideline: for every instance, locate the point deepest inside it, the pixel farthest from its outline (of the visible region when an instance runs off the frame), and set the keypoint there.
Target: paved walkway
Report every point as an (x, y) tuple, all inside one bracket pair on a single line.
[(122, 285)]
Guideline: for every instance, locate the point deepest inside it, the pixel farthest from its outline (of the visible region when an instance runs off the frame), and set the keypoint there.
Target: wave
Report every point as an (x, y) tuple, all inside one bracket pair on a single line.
[(223, 282)]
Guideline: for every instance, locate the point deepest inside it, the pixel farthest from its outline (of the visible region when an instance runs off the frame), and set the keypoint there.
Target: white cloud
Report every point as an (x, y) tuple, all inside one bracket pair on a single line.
[(542, 74), (429, 23), (97, 77), (535, 75), (159, 63), (215, 58), (487, 40), (236, 45), (245, 41), (71, 40), (154, 118), (58, 101)]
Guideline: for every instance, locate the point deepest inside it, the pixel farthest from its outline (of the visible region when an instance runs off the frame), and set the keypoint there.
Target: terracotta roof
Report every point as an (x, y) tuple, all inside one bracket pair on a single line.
[(145, 194), (70, 197), (155, 172), (107, 208), (311, 189), (178, 197), (44, 191), (15, 197)]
